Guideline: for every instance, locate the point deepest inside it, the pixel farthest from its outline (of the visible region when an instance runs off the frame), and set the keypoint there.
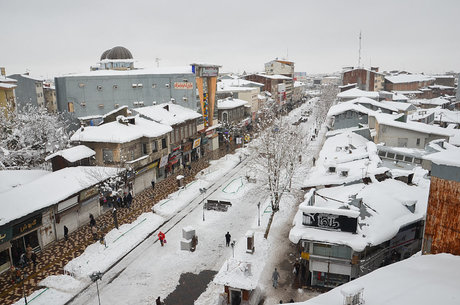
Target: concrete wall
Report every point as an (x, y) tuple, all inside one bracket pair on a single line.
[(349, 119), (97, 95), (28, 91)]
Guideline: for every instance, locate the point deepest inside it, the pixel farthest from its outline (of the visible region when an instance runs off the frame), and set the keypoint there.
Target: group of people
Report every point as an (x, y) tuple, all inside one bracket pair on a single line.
[(24, 260), (118, 201)]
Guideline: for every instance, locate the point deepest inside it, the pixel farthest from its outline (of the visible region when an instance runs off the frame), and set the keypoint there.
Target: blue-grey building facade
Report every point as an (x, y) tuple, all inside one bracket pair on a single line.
[(99, 92), (29, 90), (348, 119)]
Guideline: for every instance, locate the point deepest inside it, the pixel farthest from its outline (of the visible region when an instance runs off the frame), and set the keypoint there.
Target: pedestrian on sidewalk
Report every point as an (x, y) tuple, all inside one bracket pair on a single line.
[(92, 221), (296, 268), (66, 233), (158, 301), (275, 278), (129, 199), (227, 239), (94, 231), (153, 185), (162, 238), (29, 252)]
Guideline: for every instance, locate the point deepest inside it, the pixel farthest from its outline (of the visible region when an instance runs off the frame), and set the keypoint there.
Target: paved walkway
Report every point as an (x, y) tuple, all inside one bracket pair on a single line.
[(52, 259)]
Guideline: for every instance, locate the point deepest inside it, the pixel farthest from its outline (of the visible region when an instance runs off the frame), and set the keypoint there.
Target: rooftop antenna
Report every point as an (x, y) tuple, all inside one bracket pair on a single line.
[(359, 54), (157, 60)]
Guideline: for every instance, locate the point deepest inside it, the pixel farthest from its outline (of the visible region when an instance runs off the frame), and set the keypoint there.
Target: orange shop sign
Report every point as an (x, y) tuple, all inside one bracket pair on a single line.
[(183, 85)]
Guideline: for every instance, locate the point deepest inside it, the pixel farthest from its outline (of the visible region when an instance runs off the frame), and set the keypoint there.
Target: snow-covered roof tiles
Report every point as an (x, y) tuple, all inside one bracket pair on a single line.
[(14, 178), (163, 70), (275, 76), (168, 114), (410, 125), (408, 78), (115, 132), (230, 103), (401, 106), (74, 153), (439, 101), (385, 209), (355, 92), (410, 281), (7, 86), (31, 197)]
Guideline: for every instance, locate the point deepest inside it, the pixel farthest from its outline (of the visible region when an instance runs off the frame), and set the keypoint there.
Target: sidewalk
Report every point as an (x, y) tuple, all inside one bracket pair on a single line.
[(52, 259)]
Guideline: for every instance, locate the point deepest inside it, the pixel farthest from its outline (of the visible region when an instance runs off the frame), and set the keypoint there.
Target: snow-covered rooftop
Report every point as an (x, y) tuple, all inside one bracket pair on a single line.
[(243, 271), (274, 76), (239, 82), (13, 178), (408, 78), (74, 153), (168, 114), (4, 79), (230, 103), (30, 197), (116, 132), (162, 70), (421, 280), (384, 211), (357, 106), (401, 106), (355, 92), (414, 126), (447, 157), (7, 86)]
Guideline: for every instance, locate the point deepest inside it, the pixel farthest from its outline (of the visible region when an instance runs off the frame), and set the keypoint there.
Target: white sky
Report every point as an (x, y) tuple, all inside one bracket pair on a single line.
[(52, 37)]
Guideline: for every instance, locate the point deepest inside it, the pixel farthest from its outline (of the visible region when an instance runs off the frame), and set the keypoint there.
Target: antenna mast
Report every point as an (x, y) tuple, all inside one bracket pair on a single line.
[(359, 54)]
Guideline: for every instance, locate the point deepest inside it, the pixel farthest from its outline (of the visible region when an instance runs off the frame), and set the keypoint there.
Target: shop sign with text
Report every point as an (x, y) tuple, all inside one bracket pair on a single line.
[(28, 225)]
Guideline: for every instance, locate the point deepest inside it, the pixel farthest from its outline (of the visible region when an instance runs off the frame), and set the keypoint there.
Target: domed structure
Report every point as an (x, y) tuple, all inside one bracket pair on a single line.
[(117, 53)]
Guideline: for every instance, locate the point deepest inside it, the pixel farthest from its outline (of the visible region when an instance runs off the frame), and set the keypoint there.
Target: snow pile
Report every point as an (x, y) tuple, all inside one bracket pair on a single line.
[(64, 283), (10, 179)]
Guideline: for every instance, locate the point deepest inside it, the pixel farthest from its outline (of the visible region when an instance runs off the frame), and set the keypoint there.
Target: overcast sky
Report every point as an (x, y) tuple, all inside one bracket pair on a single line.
[(55, 37)]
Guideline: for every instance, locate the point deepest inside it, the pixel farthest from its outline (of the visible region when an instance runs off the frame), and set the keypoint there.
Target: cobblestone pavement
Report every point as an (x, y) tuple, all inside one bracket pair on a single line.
[(52, 259)]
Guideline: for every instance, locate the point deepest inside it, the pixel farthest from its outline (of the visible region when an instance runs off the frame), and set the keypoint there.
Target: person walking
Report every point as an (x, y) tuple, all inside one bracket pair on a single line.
[(129, 199), (158, 301), (66, 233), (29, 252), (153, 185), (94, 231), (227, 239), (92, 221), (162, 238), (275, 278)]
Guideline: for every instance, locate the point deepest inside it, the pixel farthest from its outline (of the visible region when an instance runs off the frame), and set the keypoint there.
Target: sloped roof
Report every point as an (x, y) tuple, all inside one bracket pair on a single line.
[(73, 154)]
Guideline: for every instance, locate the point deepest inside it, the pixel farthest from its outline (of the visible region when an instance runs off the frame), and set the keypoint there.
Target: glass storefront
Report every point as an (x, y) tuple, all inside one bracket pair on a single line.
[(18, 246), (4, 260)]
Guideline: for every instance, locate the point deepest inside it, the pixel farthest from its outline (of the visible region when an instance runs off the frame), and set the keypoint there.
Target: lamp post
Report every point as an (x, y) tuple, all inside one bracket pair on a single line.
[(23, 276), (203, 191), (115, 220), (258, 214), (94, 277)]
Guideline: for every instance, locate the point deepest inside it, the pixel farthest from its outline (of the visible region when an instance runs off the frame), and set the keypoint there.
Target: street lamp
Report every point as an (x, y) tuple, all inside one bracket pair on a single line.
[(115, 220), (94, 277), (202, 192), (258, 214), (23, 276)]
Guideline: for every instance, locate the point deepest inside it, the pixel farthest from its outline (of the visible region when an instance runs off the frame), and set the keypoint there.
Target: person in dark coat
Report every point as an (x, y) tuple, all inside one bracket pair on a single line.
[(66, 233), (153, 185), (129, 199), (125, 200), (92, 221), (227, 239), (158, 301)]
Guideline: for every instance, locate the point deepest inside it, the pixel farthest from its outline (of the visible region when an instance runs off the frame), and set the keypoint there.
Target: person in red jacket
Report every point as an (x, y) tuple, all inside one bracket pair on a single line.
[(161, 237)]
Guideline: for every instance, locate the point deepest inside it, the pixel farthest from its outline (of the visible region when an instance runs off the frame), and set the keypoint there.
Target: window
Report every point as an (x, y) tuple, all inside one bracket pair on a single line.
[(134, 85), (116, 106), (154, 85), (402, 142), (83, 104), (418, 141), (107, 155), (167, 85), (115, 86), (163, 143), (139, 86), (101, 105), (154, 146), (382, 153), (70, 107), (144, 149), (99, 88), (408, 159), (399, 157)]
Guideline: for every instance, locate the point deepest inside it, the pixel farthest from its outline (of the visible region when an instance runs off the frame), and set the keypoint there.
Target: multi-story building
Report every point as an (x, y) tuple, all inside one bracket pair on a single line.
[(49, 92), (442, 229), (408, 82), (282, 67), (29, 90), (275, 84), (365, 79), (7, 94), (100, 91)]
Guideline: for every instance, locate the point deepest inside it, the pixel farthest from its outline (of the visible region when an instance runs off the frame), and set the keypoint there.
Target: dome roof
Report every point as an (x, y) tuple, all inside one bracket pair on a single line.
[(117, 53)]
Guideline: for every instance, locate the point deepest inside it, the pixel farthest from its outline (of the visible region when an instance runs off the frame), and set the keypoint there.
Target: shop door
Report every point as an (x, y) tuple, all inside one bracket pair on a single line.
[(235, 297), (18, 246)]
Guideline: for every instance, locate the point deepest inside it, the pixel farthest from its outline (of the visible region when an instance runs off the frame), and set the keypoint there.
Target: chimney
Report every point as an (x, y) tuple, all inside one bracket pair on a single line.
[(166, 107), (250, 242), (2, 70)]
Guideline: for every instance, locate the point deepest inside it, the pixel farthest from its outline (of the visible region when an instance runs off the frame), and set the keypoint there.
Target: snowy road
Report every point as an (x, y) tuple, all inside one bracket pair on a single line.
[(151, 270)]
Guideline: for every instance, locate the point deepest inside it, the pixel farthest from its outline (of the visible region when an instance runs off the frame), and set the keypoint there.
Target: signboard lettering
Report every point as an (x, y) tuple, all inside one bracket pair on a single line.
[(209, 71), (196, 143), (330, 222), (27, 225), (5, 235), (183, 85)]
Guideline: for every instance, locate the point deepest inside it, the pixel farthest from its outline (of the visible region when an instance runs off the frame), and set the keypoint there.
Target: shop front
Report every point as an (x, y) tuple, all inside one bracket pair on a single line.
[(174, 160), (5, 258), (25, 233)]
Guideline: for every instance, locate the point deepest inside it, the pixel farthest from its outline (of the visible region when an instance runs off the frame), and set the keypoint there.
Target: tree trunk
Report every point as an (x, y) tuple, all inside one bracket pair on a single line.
[(267, 230)]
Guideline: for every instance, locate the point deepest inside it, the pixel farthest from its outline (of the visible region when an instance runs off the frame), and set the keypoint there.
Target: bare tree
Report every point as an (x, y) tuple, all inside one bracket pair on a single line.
[(275, 155)]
